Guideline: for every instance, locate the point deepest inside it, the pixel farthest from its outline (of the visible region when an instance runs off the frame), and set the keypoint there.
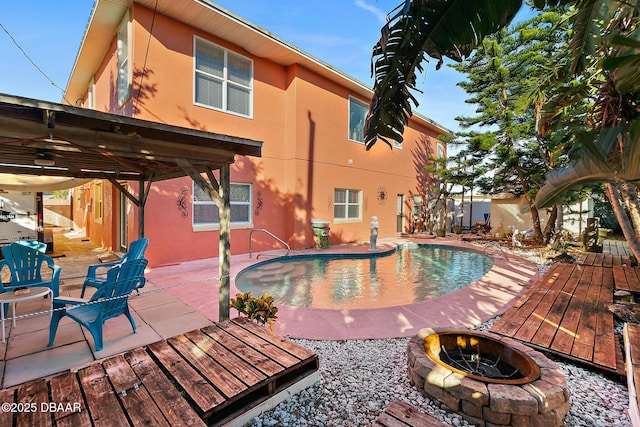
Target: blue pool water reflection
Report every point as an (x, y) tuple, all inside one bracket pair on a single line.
[(410, 274)]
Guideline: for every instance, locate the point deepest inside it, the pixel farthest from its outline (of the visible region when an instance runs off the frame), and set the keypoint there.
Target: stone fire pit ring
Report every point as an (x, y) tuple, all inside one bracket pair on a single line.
[(541, 402)]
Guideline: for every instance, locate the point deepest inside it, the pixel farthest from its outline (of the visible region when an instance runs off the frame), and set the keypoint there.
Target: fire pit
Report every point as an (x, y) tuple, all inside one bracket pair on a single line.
[(481, 357), (488, 379)]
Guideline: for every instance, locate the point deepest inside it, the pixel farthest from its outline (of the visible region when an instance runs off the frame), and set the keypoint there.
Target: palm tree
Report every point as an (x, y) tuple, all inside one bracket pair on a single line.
[(604, 59)]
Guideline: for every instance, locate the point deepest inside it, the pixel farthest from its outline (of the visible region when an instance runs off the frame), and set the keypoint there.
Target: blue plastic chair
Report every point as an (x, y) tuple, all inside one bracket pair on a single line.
[(136, 251), (25, 261), (110, 300)]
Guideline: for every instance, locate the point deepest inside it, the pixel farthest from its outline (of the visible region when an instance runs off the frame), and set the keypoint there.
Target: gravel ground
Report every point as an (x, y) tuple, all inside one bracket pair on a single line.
[(360, 378)]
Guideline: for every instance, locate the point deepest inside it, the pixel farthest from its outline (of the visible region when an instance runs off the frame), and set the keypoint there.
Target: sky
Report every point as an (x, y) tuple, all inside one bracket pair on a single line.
[(39, 41)]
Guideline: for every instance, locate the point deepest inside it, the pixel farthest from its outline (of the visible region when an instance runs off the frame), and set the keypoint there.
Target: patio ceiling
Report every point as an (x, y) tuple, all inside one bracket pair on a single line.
[(49, 139)]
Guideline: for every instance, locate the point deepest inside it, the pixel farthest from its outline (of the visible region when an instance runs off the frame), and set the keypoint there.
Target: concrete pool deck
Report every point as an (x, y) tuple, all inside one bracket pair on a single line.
[(195, 284), (184, 297)]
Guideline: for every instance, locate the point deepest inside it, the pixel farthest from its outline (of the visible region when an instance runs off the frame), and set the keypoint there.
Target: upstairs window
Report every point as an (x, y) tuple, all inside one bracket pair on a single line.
[(223, 79), (357, 115), (91, 97), (124, 64)]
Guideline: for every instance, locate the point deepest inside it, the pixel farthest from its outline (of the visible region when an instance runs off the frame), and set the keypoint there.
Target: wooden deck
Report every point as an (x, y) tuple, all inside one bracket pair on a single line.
[(566, 313), (616, 247), (602, 259), (204, 377)]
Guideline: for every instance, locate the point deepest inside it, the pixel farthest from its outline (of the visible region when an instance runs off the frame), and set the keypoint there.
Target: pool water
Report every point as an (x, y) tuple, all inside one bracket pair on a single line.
[(410, 274)]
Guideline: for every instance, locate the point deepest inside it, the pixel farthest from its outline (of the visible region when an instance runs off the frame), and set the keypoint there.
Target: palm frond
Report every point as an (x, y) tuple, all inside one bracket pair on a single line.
[(424, 27), (626, 64), (587, 30), (590, 168), (631, 157), (593, 165)]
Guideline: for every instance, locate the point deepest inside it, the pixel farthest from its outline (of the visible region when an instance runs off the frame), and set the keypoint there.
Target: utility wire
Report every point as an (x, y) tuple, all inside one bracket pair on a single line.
[(32, 62), (146, 55)]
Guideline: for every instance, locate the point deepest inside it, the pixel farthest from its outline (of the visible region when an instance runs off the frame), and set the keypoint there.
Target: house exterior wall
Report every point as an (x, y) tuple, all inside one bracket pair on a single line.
[(302, 119)]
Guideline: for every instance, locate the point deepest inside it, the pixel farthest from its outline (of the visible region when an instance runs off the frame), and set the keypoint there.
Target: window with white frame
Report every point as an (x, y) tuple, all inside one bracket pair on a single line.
[(124, 64), (223, 79), (417, 205), (347, 204), (439, 151), (357, 115), (205, 211)]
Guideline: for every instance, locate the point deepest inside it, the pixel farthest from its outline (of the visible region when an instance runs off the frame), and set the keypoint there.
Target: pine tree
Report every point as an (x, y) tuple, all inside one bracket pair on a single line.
[(500, 76)]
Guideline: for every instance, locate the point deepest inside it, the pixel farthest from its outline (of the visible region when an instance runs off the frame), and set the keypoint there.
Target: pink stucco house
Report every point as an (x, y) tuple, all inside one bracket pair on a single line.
[(193, 64)]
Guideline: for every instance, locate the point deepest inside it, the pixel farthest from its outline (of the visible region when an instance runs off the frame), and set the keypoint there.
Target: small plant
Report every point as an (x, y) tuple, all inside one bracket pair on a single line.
[(260, 309)]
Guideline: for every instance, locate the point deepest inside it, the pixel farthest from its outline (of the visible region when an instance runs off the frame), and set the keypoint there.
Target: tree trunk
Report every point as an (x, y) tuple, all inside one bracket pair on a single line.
[(535, 220), (623, 219), (549, 229), (630, 197)]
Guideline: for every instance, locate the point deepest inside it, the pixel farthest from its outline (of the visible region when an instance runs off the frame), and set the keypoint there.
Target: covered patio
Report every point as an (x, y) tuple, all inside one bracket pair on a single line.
[(55, 140)]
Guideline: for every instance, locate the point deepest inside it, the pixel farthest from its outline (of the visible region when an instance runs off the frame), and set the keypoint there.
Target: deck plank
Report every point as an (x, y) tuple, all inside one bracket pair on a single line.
[(7, 396), (236, 365), (102, 402), (31, 395), (169, 400), (239, 348), (568, 315), (66, 391), (135, 398), (585, 332), (551, 320), (401, 414), (228, 384), (205, 397), (268, 349), (633, 281), (297, 351), (567, 332), (513, 320), (605, 337), (620, 278)]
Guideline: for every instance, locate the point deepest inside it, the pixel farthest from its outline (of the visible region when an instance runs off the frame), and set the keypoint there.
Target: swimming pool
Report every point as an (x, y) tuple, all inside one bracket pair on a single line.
[(409, 274)]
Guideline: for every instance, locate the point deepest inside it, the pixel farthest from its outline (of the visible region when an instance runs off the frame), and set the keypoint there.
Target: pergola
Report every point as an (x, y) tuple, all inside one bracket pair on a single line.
[(49, 139)]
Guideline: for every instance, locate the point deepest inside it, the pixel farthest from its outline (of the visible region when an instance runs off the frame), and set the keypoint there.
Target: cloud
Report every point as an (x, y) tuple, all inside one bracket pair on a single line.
[(380, 15)]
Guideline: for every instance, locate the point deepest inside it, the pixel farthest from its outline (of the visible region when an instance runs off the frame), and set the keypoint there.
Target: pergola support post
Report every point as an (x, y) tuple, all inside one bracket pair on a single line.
[(225, 244), (140, 202), (143, 200)]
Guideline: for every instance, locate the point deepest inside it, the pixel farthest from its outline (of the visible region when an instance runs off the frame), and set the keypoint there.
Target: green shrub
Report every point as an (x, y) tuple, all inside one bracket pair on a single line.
[(260, 309)]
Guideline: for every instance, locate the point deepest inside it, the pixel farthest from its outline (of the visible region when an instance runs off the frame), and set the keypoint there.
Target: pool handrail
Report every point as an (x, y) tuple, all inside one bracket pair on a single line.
[(270, 234), (494, 245)]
